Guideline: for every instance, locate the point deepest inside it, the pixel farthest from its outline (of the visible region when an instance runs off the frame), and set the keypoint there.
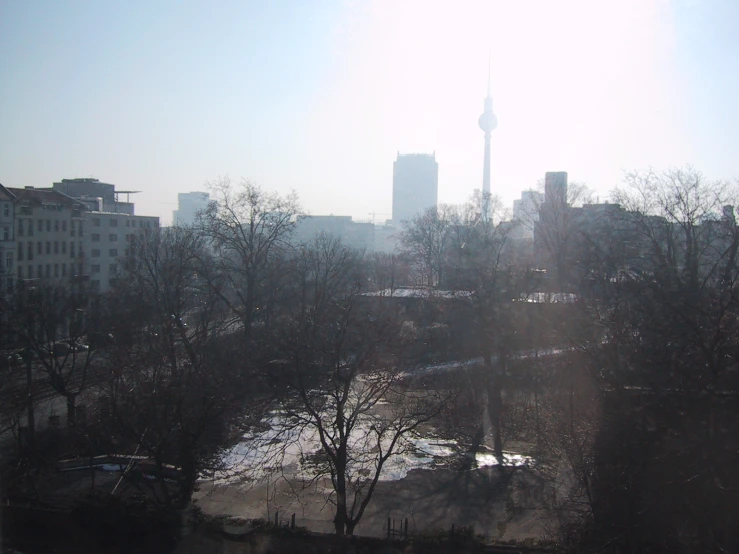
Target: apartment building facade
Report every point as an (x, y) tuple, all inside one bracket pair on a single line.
[(48, 234), (109, 240), (7, 241)]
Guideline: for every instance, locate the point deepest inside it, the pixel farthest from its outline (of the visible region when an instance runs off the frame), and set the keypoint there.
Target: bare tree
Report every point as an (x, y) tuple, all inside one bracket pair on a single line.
[(249, 230), (425, 239), (346, 385), (176, 383), (557, 232), (50, 324)]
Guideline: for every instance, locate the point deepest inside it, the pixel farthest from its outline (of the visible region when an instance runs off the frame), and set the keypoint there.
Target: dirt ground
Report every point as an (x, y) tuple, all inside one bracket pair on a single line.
[(503, 504)]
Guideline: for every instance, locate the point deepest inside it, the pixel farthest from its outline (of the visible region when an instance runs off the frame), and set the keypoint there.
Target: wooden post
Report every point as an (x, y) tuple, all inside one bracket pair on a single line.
[(276, 517), (292, 521), (388, 528), (405, 533)]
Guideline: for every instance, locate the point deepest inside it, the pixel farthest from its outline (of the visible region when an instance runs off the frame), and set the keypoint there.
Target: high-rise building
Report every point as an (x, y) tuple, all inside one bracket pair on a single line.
[(487, 122), (415, 185), (555, 188), (188, 206), (526, 212)]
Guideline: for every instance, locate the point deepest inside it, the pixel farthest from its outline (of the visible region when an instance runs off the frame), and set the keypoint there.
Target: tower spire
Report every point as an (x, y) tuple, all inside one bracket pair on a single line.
[(487, 122), (488, 74)]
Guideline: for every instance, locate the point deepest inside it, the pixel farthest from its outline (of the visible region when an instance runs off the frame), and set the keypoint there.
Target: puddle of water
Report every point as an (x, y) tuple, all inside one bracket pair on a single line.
[(285, 451)]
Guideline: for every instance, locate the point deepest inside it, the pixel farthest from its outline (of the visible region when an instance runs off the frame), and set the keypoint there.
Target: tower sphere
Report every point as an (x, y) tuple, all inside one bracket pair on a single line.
[(488, 121)]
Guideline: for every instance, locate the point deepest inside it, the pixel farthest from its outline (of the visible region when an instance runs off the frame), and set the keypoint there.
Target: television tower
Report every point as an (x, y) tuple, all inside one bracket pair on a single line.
[(488, 122)]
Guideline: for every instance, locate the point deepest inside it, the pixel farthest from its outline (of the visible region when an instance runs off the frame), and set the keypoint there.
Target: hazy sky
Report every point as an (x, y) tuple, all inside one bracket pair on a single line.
[(319, 95)]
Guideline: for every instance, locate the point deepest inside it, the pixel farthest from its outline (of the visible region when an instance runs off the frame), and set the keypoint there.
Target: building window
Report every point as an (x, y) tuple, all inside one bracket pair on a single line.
[(39, 271), (20, 251), (113, 238), (6, 233), (56, 270), (95, 284), (95, 237), (48, 247), (64, 226), (20, 227), (128, 223), (71, 250), (95, 268), (71, 225), (82, 228), (8, 260), (96, 222), (56, 247), (113, 253), (48, 271), (30, 251), (30, 228), (6, 209), (112, 269), (39, 248), (125, 253), (40, 225), (64, 269), (64, 247), (56, 225), (114, 223), (20, 272), (48, 226), (95, 253)]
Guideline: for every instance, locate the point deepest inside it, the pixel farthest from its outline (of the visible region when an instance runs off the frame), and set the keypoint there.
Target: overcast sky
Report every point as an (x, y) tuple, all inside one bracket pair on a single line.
[(319, 95)]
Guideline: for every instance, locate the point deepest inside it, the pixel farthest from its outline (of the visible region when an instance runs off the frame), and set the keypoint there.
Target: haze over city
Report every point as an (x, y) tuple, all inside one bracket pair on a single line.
[(320, 96)]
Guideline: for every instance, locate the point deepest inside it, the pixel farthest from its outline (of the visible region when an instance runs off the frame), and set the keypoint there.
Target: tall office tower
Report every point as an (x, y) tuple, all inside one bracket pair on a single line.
[(415, 185), (488, 122), (526, 212), (555, 188), (189, 204)]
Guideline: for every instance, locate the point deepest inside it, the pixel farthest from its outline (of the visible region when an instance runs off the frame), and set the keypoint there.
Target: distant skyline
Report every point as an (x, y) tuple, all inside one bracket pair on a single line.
[(319, 96)]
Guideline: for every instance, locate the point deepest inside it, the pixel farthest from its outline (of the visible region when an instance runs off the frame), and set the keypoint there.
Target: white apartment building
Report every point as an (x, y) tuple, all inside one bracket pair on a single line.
[(48, 233), (7, 242), (108, 242)]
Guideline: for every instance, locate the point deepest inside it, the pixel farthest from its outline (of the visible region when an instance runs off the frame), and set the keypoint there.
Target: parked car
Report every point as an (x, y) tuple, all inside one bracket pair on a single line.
[(66, 347)]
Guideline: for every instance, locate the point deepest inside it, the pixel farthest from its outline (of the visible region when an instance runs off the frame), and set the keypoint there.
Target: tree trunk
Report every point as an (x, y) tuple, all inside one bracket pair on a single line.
[(31, 416), (71, 411), (340, 520)]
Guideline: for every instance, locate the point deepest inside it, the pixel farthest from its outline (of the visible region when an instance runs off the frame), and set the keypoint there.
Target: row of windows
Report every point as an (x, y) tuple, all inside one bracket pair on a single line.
[(129, 223), (113, 253), (58, 225), (56, 246), (95, 268), (47, 271), (111, 238)]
